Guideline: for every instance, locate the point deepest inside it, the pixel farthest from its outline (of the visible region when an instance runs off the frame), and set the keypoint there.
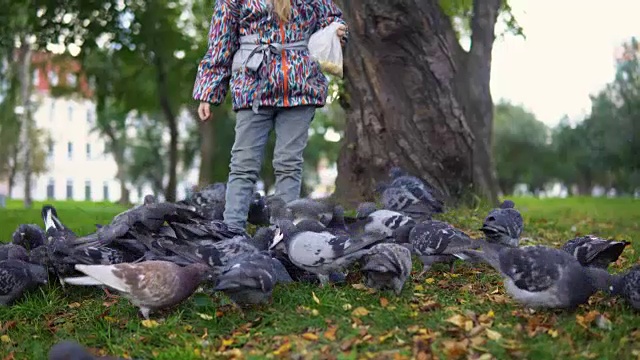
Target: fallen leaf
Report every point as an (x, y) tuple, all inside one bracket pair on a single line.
[(310, 336), (553, 333), (603, 322), (5, 339), (347, 344), (315, 312), (457, 320), (205, 316), (346, 307), (9, 357), (149, 323), (430, 280), (282, 349), (384, 302), (455, 349), (74, 305), (493, 335), (330, 334), (315, 298), (418, 288), (110, 319), (8, 325), (359, 286), (360, 311)]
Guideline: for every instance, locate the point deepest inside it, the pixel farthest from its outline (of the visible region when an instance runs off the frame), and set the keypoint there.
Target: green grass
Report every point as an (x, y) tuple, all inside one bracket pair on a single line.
[(409, 326)]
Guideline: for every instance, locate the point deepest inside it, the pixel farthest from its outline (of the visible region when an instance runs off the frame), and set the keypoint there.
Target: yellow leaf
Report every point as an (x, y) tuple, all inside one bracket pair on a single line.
[(491, 313), (227, 342), (358, 286), (468, 325), (384, 302), (315, 312), (418, 288), (553, 333), (457, 320), (493, 335), (205, 316), (74, 305), (109, 319), (149, 323), (197, 352), (384, 337), (360, 311), (282, 349), (330, 334), (187, 328), (315, 298), (430, 280), (346, 307), (5, 339), (310, 336)]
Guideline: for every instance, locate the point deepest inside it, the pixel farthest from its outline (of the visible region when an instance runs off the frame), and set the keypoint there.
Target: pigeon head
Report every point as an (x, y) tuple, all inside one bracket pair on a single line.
[(49, 216), (503, 227), (30, 236), (149, 199), (395, 172), (401, 234), (310, 225), (278, 209), (69, 350), (263, 237), (285, 229), (365, 209), (258, 210), (39, 273), (198, 272), (507, 204)]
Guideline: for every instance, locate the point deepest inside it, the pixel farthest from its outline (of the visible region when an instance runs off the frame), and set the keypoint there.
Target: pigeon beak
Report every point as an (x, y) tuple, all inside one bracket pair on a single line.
[(277, 238)]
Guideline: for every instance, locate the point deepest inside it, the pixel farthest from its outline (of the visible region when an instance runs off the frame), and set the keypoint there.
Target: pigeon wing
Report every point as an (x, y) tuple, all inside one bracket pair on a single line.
[(532, 269), (109, 275)]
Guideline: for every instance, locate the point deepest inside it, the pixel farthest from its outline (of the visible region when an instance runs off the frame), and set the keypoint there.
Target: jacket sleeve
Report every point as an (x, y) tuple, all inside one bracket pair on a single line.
[(327, 12), (214, 71)]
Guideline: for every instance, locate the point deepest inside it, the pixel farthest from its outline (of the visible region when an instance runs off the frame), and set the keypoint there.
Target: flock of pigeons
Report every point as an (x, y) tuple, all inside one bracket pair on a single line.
[(158, 254)]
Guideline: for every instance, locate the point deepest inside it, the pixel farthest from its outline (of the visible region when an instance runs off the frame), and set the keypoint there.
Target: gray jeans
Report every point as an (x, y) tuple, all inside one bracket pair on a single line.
[(252, 132)]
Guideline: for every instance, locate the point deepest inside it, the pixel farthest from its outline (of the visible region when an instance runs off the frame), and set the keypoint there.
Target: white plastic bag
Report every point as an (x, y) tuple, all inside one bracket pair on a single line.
[(325, 48)]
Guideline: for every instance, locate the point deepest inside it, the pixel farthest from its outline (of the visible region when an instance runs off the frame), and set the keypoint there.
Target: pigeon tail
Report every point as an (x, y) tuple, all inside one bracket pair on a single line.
[(82, 280), (602, 280)]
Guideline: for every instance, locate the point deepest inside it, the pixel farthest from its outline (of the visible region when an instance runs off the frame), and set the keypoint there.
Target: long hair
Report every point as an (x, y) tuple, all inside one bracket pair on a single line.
[(282, 8)]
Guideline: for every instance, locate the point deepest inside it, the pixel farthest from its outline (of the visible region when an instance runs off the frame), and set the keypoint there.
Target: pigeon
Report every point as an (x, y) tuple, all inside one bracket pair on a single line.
[(71, 350), (16, 277), (29, 236), (53, 225), (379, 221), (219, 254), (210, 201), (628, 286), (258, 211), (365, 209), (206, 232), (540, 276), (401, 200), (322, 253), (387, 266), (13, 251), (504, 225), (305, 208), (415, 188), (149, 285), (249, 279), (436, 241), (591, 250)]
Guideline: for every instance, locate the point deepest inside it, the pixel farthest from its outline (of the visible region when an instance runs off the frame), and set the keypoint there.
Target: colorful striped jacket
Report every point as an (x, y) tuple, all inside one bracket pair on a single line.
[(291, 79)]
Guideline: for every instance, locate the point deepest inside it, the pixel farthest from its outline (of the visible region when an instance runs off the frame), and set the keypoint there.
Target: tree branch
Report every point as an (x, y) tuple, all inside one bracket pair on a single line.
[(483, 22)]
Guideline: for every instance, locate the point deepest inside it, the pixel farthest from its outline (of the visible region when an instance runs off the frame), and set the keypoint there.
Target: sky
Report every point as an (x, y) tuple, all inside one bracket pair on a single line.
[(567, 55)]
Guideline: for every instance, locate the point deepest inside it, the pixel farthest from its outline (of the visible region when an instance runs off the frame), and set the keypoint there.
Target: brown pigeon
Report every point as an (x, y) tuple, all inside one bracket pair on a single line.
[(149, 285)]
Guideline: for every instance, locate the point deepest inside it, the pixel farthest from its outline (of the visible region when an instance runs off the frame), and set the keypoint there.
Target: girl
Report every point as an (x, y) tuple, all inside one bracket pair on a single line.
[(260, 46)]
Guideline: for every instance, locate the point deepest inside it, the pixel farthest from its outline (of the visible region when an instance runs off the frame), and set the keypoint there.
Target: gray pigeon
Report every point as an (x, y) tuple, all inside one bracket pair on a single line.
[(415, 188), (322, 253), (628, 286), (387, 266), (436, 241), (16, 277), (149, 285), (258, 211), (401, 200), (304, 208), (29, 236), (249, 279), (13, 251), (504, 225), (379, 221), (591, 250), (540, 276), (71, 350), (365, 209)]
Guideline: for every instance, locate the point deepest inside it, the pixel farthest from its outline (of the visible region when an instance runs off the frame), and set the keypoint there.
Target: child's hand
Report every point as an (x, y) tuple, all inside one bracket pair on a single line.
[(341, 32), (204, 111)]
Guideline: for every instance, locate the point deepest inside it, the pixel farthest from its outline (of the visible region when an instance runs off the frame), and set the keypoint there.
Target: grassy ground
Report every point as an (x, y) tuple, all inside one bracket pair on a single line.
[(445, 316)]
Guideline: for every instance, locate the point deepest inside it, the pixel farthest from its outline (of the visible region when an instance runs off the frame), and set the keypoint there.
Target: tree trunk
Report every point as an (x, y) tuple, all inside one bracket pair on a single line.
[(172, 122), (416, 99), (207, 150), (24, 59)]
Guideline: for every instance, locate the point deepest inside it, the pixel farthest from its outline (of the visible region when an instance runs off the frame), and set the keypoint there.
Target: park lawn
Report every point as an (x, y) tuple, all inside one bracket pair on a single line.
[(445, 316)]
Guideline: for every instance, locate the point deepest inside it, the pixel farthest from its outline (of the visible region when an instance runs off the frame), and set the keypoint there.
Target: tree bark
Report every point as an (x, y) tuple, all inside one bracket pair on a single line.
[(416, 99), (24, 59), (172, 122), (207, 150)]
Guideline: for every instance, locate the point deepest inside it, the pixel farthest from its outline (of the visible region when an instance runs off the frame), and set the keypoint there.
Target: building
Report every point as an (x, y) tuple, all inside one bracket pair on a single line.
[(79, 167)]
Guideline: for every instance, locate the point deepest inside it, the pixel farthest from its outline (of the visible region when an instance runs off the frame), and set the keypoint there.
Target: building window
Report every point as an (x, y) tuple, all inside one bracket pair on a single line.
[(89, 116), (88, 150), (105, 191), (70, 112), (71, 79), (70, 189), (51, 147), (53, 78), (87, 190), (70, 150), (51, 186)]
